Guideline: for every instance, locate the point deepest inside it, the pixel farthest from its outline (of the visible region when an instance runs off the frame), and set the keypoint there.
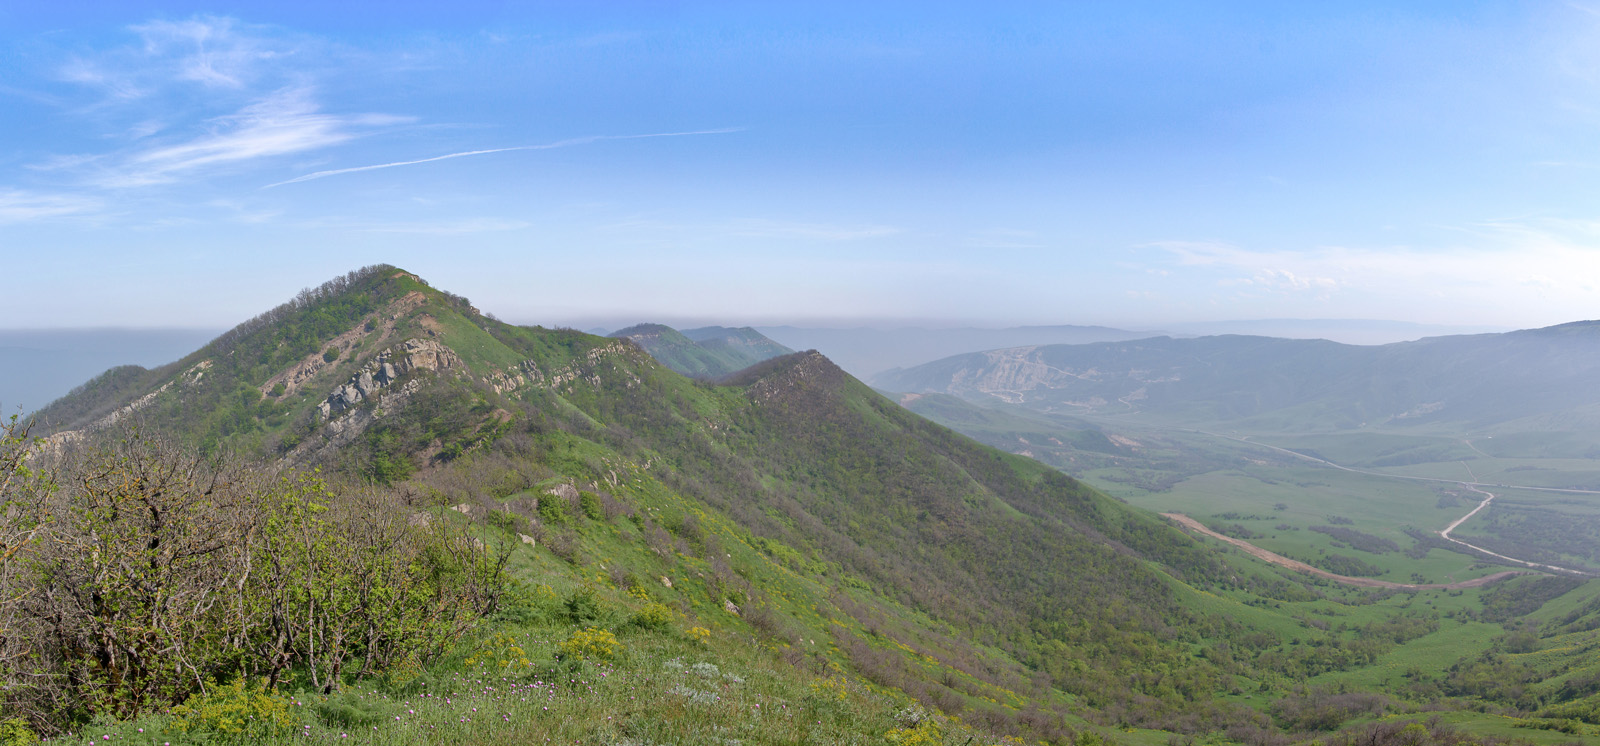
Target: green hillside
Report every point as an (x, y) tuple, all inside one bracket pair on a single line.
[(870, 575)]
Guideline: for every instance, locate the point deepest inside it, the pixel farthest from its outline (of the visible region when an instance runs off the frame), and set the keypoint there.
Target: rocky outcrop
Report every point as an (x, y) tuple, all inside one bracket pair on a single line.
[(528, 373), (564, 491), (385, 369)]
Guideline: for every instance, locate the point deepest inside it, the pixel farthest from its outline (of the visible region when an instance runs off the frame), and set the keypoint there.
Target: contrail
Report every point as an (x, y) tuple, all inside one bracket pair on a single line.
[(559, 144)]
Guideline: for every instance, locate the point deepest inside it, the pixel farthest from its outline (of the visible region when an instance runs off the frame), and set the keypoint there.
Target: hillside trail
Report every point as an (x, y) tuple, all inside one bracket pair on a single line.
[(1282, 561)]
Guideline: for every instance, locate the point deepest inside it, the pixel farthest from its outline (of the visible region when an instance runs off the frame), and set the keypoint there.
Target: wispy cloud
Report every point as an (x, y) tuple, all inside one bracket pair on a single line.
[(18, 206), (192, 97), (285, 122), (207, 49), (548, 146), (211, 51)]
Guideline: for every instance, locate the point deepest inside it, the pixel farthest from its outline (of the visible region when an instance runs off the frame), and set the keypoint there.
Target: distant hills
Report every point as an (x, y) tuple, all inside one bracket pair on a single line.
[(868, 352), (1539, 379), (46, 364), (706, 352), (41, 365)]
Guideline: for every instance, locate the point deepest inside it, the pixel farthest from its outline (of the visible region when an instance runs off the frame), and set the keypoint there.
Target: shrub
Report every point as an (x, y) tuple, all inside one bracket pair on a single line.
[(591, 643), (582, 608), (552, 510), (331, 354), (653, 617), (507, 522), (236, 712), (15, 732), (590, 503)]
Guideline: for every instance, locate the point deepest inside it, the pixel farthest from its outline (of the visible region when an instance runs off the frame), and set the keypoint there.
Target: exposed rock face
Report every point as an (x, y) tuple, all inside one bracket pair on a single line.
[(410, 355), (529, 374), (564, 491)]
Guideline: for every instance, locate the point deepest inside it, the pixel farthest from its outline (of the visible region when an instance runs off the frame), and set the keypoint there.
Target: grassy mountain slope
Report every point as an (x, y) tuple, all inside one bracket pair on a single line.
[(787, 503), (708, 352)]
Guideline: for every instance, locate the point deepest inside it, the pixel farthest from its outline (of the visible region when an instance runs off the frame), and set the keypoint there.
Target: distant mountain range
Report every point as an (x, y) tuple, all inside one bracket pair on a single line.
[(45, 364), (1540, 379), (707, 352), (867, 352)]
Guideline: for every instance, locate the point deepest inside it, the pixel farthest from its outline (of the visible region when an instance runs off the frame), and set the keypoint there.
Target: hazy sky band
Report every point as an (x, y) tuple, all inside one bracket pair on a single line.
[(1113, 163)]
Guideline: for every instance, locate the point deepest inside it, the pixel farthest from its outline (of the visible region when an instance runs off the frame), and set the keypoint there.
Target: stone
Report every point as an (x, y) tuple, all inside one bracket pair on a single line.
[(563, 490)]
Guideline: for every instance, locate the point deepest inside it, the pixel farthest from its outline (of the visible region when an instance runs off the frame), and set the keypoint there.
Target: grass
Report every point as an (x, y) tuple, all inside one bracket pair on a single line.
[(661, 689)]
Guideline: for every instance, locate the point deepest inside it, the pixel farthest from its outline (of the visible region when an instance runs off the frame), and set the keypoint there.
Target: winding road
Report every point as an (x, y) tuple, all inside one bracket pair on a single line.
[(1445, 534), (1282, 561)]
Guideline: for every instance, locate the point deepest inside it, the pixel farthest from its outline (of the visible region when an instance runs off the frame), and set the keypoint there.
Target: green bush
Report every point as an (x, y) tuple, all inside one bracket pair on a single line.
[(507, 522), (590, 502), (582, 608), (552, 510), (591, 643), (15, 732), (652, 617), (331, 354), (236, 712)]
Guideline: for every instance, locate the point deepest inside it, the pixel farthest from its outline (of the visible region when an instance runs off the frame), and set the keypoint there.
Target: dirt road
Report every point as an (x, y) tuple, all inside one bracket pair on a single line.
[(1282, 561)]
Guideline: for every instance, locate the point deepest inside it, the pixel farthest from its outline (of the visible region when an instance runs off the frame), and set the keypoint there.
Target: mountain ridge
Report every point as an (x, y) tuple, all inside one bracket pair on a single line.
[(1477, 381)]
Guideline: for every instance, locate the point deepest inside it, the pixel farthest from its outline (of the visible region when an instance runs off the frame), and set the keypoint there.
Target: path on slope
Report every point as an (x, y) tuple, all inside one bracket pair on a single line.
[(1282, 561)]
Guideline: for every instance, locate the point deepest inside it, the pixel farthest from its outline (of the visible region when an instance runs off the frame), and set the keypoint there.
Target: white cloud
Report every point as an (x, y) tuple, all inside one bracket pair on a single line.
[(17, 206), (285, 122)]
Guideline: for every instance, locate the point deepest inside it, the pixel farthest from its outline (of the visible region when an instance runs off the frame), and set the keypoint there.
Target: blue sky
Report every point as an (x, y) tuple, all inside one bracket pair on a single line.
[(1119, 163)]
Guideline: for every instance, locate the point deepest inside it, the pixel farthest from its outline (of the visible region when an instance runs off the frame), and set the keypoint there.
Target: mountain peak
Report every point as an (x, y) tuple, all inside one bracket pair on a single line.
[(790, 377)]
